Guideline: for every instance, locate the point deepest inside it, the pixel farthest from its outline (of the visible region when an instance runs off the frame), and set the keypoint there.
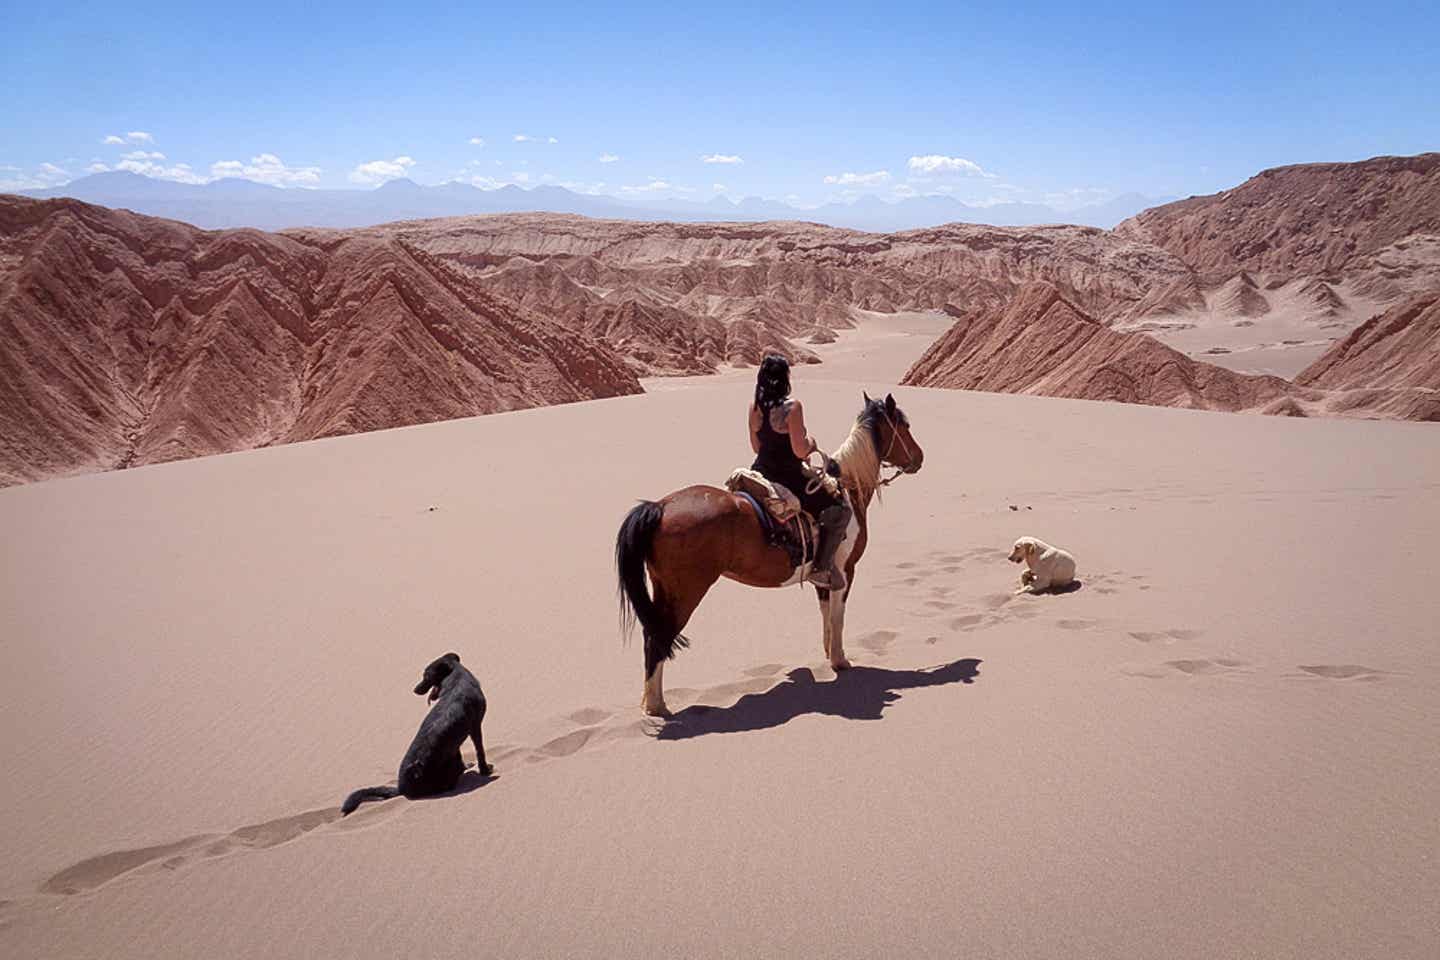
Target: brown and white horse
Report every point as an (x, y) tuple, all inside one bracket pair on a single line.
[(693, 537)]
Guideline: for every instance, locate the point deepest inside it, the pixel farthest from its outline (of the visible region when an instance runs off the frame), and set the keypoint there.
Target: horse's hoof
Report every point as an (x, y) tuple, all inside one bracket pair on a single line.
[(837, 666), (662, 711)]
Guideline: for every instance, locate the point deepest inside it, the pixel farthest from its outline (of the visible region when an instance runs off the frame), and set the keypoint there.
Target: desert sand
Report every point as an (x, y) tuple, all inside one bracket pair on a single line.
[(1223, 744)]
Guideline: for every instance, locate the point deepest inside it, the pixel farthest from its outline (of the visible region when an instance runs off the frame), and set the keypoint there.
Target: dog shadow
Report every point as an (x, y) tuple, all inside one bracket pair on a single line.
[(1070, 587), (860, 693), (470, 781)]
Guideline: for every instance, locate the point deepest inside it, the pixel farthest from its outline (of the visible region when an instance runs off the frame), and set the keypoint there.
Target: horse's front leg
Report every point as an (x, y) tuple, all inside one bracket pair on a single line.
[(835, 631), (825, 620)]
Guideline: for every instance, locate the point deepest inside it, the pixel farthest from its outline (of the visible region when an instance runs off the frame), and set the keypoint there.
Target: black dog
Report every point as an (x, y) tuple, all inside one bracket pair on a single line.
[(432, 764)]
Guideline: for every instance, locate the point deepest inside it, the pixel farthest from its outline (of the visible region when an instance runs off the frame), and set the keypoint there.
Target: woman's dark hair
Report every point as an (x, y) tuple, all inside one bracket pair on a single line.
[(772, 383)]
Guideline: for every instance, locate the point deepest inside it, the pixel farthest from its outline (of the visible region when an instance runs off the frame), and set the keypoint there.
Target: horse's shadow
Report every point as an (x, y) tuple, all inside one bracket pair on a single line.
[(860, 693)]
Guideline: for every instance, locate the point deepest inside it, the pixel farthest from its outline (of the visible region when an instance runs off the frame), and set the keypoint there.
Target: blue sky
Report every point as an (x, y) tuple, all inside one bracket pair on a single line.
[(1063, 103)]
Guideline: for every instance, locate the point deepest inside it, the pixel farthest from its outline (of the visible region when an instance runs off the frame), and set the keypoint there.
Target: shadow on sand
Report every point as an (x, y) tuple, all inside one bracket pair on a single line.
[(470, 781), (860, 693)]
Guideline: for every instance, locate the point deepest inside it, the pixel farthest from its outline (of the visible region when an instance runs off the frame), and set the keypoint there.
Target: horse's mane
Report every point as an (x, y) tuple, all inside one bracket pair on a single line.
[(859, 455)]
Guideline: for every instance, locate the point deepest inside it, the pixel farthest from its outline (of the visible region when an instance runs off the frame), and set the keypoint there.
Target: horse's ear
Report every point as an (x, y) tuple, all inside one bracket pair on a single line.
[(890, 402), (866, 395)]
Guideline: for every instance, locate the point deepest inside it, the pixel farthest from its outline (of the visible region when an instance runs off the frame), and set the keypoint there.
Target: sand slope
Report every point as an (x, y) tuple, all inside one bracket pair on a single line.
[(1222, 745)]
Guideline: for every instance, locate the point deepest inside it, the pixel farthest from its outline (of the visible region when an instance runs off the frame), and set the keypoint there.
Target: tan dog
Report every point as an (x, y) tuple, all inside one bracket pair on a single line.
[(1048, 567)]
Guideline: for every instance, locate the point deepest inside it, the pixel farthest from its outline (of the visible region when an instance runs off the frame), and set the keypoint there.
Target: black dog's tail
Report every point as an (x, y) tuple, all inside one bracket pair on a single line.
[(632, 549), (366, 793)]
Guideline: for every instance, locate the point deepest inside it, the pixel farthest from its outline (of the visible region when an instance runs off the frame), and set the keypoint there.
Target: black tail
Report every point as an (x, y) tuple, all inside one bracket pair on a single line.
[(366, 793), (632, 549)]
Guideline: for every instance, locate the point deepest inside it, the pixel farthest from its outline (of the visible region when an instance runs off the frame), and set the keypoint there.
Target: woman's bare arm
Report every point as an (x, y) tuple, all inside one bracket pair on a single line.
[(801, 443), (755, 419)]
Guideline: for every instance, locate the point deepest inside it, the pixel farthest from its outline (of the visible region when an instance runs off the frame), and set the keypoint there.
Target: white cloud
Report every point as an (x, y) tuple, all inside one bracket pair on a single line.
[(903, 190), (551, 140), (139, 136), (527, 138), (97, 167), (933, 164), (522, 138), (520, 177), (113, 140), (608, 158), (477, 141), (378, 171), (485, 183), (859, 179), (719, 187), (721, 158), (654, 186), (142, 155), (45, 175), (180, 172), (265, 168)]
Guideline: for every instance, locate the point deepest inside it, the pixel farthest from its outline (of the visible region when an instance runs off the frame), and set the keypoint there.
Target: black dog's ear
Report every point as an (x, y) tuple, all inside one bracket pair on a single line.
[(452, 657), (866, 395), (890, 402)]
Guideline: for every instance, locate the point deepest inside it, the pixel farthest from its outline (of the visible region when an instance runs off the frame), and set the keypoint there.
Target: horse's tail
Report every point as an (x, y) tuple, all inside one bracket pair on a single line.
[(366, 793), (632, 549)]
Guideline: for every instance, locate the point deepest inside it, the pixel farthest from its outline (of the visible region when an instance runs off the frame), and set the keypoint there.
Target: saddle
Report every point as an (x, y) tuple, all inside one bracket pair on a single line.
[(785, 524)]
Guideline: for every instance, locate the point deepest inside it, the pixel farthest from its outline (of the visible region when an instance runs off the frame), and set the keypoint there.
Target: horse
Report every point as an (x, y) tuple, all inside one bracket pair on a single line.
[(691, 538)]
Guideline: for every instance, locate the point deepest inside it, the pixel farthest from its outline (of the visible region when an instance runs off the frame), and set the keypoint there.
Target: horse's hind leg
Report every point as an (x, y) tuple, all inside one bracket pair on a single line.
[(674, 605)]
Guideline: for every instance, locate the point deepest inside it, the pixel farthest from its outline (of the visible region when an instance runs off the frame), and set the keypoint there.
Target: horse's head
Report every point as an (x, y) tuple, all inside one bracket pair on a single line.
[(890, 429)]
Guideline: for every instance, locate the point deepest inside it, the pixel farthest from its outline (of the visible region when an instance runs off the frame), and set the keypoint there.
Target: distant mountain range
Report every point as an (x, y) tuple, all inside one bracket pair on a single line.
[(234, 202)]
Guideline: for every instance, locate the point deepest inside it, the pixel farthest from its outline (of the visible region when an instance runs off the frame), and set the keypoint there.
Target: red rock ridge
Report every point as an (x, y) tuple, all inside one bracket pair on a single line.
[(127, 340), (769, 285), (1310, 219)]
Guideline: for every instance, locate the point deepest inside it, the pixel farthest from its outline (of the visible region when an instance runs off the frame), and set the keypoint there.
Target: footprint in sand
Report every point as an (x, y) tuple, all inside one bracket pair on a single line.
[(1165, 636), (1205, 667), (1343, 671), (877, 641), (765, 670), (968, 622), (588, 716), (96, 871), (1076, 624)]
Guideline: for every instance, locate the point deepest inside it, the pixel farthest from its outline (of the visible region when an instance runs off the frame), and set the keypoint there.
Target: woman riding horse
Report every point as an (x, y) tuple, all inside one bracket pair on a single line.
[(781, 445), (689, 539)]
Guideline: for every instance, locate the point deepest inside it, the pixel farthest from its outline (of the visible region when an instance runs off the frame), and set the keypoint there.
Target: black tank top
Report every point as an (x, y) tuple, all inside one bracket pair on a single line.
[(778, 463), (776, 460)]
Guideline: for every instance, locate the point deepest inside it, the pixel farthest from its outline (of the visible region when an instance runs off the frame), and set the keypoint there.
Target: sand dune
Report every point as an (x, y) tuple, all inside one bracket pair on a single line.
[(1041, 344), (1221, 745)]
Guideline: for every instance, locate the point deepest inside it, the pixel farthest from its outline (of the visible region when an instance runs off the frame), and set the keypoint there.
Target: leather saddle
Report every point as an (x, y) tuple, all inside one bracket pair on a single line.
[(778, 509)]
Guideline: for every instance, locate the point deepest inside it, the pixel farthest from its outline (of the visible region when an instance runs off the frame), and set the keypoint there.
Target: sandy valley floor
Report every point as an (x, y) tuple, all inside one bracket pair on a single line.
[(1223, 745)]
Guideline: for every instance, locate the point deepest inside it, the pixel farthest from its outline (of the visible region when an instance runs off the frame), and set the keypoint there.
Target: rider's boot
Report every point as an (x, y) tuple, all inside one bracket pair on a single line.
[(824, 573)]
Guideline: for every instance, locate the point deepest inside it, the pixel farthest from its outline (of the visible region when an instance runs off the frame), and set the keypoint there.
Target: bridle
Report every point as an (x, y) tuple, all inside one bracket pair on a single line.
[(894, 435), (814, 484)]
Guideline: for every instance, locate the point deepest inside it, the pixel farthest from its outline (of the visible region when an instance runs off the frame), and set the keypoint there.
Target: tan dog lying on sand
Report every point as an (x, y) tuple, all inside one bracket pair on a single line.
[(1048, 568)]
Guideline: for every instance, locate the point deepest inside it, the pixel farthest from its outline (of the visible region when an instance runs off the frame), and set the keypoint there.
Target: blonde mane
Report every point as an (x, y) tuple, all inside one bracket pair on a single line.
[(859, 462)]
